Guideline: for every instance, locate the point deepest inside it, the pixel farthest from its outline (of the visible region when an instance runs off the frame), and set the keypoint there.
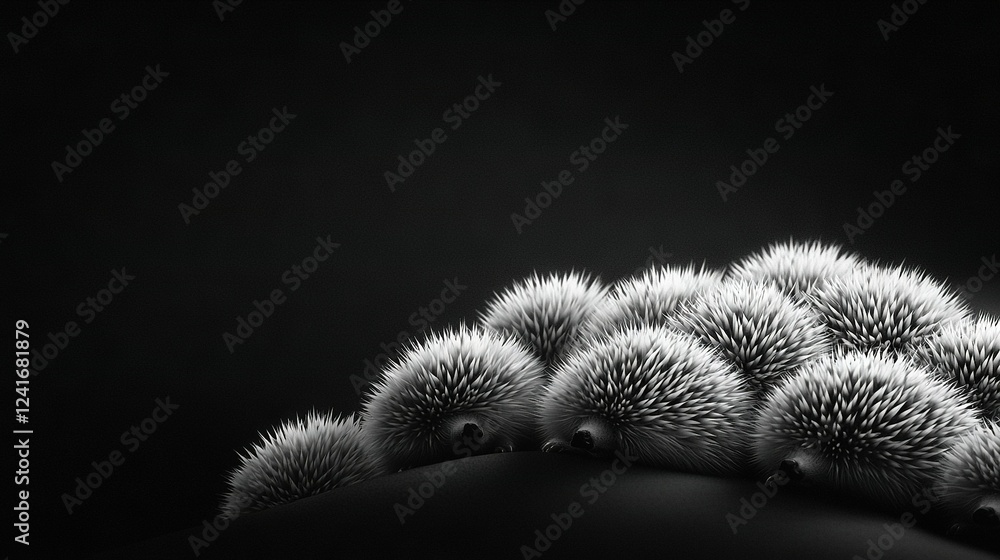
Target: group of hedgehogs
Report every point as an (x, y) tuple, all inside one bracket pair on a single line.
[(870, 379)]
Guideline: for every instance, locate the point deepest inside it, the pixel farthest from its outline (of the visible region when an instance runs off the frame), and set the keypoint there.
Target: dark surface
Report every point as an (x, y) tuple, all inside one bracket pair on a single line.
[(491, 506), (323, 175)]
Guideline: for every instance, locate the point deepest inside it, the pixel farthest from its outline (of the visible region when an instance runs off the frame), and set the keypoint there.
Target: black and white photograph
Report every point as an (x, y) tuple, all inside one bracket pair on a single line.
[(404, 279)]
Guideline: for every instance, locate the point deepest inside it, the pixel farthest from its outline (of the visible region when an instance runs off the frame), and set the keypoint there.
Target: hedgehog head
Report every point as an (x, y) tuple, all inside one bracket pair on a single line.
[(459, 392), (545, 312), (652, 393), (870, 423), (886, 308), (796, 267), (969, 480)]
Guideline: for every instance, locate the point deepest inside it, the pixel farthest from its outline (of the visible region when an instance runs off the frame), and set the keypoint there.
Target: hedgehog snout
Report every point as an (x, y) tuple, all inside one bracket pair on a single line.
[(583, 440), (986, 516)]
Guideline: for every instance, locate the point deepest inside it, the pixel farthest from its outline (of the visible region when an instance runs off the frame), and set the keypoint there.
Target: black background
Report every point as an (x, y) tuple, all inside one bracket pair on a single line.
[(323, 176)]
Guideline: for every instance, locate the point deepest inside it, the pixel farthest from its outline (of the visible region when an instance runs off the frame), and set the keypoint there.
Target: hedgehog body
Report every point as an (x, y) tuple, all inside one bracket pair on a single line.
[(796, 268), (650, 298), (460, 392), (650, 393), (967, 354), (545, 313), (763, 331), (300, 458), (886, 308), (869, 423)]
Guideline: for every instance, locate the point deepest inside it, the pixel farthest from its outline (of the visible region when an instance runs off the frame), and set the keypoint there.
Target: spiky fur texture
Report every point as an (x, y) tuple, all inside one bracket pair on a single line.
[(869, 423), (763, 331), (797, 268), (300, 458), (545, 312), (891, 308), (465, 375), (652, 393), (967, 354), (650, 298), (970, 473)]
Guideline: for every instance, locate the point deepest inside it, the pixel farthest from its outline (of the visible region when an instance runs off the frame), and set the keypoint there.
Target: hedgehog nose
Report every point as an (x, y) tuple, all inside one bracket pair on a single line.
[(791, 469), (472, 431), (986, 517), (583, 440)]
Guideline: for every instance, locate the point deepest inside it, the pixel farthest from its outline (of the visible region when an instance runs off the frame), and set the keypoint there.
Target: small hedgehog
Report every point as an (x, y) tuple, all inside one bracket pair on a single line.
[(652, 393), (758, 327), (969, 481), (650, 298), (796, 268), (545, 312), (886, 308), (967, 354), (299, 459), (460, 392), (869, 423)]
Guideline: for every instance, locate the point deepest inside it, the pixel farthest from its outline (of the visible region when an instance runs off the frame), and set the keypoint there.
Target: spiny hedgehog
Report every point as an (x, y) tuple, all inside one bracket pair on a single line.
[(458, 392), (969, 481), (795, 267), (886, 308), (653, 393), (545, 312), (967, 353), (758, 327), (650, 298), (300, 458), (869, 423)]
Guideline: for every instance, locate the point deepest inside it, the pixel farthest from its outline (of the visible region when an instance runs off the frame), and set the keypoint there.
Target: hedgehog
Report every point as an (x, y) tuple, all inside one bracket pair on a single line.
[(298, 459), (545, 312), (796, 268), (969, 480), (870, 423), (649, 298), (659, 396), (889, 308), (967, 354), (763, 331), (459, 392)]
